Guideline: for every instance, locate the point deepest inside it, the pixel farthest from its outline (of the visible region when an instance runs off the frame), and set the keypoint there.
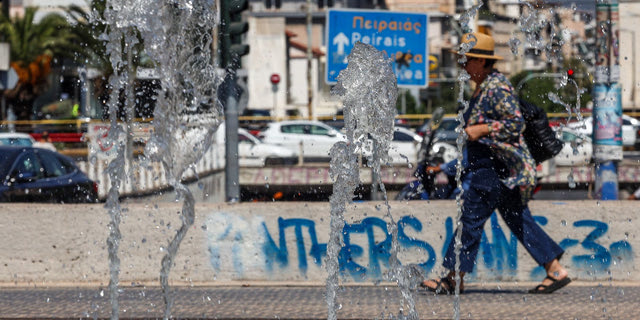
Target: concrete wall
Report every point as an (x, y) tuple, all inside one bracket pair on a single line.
[(66, 244)]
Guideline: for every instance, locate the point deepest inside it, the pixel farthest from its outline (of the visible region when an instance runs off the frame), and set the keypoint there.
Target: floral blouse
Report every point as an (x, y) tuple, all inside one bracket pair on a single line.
[(498, 106)]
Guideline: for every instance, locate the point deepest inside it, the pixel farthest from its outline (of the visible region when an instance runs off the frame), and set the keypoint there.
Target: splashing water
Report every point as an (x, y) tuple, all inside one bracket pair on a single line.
[(468, 16), (177, 38), (369, 90)]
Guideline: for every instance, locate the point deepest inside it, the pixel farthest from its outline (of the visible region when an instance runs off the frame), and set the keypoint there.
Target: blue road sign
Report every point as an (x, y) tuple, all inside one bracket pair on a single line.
[(403, 36), (8, 79)]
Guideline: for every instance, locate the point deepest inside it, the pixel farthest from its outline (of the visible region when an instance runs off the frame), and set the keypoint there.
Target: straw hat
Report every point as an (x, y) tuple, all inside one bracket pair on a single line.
[(483, 48)]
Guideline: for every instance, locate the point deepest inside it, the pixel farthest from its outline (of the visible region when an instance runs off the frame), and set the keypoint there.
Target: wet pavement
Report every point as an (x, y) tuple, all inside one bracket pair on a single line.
[(577, 301)]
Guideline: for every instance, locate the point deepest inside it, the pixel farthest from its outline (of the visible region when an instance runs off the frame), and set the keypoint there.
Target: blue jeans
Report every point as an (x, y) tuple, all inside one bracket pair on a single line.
[(486, 194)]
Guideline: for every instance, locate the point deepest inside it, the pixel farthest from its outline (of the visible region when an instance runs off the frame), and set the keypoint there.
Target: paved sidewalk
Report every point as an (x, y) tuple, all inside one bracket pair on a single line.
[(577, 301)]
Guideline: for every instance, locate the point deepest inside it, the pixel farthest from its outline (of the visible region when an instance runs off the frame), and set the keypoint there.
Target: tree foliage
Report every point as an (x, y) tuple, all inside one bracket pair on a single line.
[(90, 30), (536, 87), (35, 45)]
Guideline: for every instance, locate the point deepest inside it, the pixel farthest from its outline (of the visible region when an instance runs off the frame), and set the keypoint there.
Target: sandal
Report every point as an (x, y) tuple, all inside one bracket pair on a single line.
[(555, 285), (448, 288)]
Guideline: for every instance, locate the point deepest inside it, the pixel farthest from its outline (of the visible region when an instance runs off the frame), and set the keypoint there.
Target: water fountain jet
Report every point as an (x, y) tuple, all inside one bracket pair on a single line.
[(177, 37)]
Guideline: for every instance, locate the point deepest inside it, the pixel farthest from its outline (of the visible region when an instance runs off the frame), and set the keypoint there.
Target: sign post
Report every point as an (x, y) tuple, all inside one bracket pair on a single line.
[(403, 36), (275, 79)]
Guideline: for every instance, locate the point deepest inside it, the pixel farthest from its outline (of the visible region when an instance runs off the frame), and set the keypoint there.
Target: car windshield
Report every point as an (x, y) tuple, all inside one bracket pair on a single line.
[(568, 137), (9, 141), (449, 124)]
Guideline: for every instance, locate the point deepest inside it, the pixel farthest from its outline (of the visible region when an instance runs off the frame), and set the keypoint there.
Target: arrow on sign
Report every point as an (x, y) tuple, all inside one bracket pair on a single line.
[(341, 40)]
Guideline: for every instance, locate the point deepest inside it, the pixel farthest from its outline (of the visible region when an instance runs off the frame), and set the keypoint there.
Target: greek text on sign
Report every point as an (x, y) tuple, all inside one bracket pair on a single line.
[(403, 36)]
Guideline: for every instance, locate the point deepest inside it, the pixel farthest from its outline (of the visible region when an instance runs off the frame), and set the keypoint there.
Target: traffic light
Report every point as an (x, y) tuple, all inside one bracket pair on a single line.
[(232, 28)]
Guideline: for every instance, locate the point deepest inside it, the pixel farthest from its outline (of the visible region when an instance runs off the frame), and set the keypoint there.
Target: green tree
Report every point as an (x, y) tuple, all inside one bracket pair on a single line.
[(411, 106), (536, 87), (90, 29), (34, 47), (89, 32)]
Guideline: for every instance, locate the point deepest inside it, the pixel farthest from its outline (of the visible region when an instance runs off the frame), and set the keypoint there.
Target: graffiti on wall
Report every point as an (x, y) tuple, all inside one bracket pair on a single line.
[(293, 245)]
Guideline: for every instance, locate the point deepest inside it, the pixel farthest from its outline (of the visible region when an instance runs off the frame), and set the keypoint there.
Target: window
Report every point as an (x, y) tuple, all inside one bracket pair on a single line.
[(16, 142), (28, 167), (52, 165), (401, 136), (244, 139), (571, 137), (448, 124), (294, 128), (318, 130), (68, 166)]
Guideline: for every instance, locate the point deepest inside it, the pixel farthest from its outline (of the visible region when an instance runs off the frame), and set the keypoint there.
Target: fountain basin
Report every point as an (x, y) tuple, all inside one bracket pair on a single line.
[(48, 244)]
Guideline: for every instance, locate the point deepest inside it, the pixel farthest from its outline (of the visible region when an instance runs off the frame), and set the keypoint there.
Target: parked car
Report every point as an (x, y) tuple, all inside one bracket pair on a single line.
[(19, 139), (314, 137), (446, 131), (577, 149), (30, 174), (630, 129), (254, 153), (337, 121), (406, 143)]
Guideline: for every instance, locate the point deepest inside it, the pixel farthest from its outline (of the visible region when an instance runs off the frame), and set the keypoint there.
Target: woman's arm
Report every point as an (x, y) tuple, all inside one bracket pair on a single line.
[(508, 123)]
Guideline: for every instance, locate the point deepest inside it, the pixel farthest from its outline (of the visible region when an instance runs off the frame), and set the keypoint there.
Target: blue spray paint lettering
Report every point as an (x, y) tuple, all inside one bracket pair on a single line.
[(408, 242), (600, 258), (280, 253), (378, 250), (499, 254)]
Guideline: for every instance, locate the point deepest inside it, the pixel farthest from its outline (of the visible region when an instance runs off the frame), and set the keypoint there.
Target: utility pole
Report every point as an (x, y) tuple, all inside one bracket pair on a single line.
[(231, 50), (607, 99), (309, 61)]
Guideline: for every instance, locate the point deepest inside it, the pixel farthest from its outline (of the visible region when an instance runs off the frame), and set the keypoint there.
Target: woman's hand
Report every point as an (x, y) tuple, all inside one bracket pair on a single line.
[(477, 131)]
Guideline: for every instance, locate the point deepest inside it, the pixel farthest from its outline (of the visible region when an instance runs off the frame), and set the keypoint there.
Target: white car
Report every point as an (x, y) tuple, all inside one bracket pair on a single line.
[(313, 138), (577, 149), (406, 143), (630, 129), (23, 140), (254, 153)]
